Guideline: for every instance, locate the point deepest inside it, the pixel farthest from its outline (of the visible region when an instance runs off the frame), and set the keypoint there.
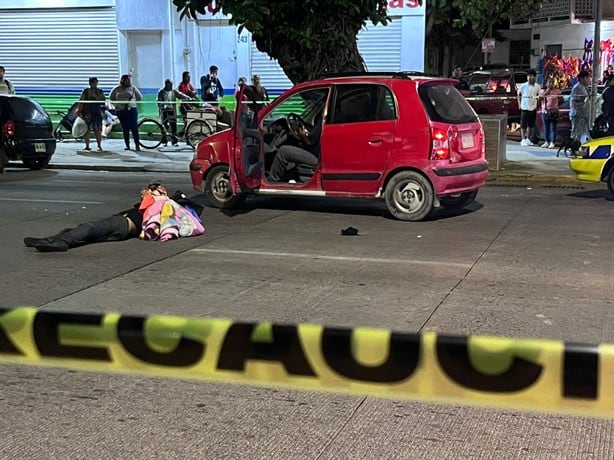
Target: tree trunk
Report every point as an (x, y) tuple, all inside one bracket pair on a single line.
[(305, 62)]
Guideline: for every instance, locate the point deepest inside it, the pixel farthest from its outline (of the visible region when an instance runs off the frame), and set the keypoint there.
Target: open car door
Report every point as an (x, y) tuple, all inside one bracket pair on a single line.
[(245, 161)]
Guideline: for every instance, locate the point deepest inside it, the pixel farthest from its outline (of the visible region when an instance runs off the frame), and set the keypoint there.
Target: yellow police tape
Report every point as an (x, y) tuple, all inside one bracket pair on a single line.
[(540, 375)]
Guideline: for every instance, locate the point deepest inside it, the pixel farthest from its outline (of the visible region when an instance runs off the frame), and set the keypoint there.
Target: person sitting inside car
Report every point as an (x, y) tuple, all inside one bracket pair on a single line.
[(290, 156)]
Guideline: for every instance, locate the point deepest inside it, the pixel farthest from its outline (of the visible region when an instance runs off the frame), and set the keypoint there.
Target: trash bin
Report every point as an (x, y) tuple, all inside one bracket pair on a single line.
[(495, 133)]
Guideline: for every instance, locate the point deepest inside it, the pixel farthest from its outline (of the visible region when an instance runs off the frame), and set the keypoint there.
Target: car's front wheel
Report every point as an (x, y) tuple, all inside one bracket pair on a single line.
[(610, 180), (218, 190), (459, 200), (409, 196), (36, 163)]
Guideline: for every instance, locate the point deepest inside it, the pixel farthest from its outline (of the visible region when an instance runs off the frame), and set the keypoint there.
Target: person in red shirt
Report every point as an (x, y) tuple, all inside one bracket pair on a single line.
[(188, 89)]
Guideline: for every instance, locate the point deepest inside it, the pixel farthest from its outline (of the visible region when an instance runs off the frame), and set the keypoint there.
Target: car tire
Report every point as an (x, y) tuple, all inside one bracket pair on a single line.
[(218, 190), (35, 163), (458, 201), (409, 196), (610, 180)]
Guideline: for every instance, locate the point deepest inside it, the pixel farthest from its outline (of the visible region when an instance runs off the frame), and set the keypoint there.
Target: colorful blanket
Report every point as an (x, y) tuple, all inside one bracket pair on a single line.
[(164, 219)]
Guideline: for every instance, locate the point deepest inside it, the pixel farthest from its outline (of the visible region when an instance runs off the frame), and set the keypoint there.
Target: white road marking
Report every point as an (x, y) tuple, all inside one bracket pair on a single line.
[(300, 255), (34, 200), (286, 191)]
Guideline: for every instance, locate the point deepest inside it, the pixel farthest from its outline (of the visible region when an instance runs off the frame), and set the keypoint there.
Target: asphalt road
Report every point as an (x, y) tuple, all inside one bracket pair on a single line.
[(524, 262)]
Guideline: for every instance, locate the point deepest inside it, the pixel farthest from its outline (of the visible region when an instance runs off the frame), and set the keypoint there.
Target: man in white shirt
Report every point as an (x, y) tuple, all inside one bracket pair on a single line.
[(527, 101), (6, 87)]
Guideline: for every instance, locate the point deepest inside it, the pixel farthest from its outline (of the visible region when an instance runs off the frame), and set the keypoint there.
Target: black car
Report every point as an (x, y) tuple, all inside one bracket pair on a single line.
[(26, 132)]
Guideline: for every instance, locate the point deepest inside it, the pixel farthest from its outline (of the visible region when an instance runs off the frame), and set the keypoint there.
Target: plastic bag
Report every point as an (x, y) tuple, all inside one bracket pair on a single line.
[(79, 128)]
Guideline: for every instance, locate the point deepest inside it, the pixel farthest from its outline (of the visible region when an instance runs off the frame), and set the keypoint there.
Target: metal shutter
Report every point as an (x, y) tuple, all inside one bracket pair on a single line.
[(59, 49), (380, 46), (271, 74)]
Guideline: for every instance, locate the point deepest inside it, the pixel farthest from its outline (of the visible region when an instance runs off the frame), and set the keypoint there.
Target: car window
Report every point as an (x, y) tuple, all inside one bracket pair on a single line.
[(520, 77), (356, 103), (308, 104), (26, 109), (445, 104)]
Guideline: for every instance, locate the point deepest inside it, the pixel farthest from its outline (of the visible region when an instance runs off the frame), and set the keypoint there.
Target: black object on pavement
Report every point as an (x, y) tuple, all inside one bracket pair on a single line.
[(350, 231)]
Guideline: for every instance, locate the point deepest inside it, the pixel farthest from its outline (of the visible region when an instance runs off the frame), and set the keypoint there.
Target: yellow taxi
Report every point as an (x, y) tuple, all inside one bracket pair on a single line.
[(597, 162)]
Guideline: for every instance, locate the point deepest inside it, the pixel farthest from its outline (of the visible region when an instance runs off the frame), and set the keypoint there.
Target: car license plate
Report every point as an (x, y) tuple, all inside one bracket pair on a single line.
[(467, 141), (40, 147)]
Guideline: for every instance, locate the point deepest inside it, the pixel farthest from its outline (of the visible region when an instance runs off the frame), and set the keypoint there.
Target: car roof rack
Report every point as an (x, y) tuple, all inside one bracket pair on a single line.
[(394, 74)]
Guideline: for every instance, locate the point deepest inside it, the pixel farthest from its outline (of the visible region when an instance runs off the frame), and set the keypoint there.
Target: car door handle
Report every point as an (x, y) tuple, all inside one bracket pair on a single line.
[(375, 141)]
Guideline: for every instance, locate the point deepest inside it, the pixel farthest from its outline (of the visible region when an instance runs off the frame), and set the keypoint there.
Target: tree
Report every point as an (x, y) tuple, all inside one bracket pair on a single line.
[(458, 23), (308, 37)]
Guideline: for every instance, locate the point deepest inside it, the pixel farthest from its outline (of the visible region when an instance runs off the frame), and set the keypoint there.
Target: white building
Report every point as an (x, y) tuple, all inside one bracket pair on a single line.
[(55, 45), (560, 27)]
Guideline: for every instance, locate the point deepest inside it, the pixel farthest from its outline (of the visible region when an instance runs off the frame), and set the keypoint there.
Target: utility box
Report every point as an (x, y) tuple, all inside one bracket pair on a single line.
[(495, 133)]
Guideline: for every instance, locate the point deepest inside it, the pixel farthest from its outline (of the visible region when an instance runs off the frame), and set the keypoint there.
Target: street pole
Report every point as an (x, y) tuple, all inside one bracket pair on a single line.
[(596, 56)]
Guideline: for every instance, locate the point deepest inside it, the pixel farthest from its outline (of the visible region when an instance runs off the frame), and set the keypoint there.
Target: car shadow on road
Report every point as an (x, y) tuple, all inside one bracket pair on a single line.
[(593, 194), (21, 173), (356, 207)]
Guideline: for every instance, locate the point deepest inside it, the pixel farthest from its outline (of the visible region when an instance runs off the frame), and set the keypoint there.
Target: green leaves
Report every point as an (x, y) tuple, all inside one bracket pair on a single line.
[(305, 36)]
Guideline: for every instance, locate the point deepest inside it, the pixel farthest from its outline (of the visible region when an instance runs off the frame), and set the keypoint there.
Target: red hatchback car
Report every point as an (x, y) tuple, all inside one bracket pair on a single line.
[(409, 139)]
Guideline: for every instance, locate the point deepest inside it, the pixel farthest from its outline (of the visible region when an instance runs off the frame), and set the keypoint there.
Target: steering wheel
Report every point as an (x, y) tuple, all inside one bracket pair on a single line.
[(294, 123)]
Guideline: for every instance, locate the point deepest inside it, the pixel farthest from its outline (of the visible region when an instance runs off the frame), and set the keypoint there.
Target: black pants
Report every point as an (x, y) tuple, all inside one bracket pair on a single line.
[(128, 119), (289, 156), (114, 228), (169, 120)]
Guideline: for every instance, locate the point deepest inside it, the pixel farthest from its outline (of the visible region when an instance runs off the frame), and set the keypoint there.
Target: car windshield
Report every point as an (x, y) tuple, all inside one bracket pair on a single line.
[(444, 103), (490, 83), (27, 110), (307, 104)]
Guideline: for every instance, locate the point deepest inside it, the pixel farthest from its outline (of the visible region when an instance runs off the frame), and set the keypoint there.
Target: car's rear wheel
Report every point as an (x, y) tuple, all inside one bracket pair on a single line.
[(218, 190), (35, 163), (459, 200), (409, 196), (610, 180)]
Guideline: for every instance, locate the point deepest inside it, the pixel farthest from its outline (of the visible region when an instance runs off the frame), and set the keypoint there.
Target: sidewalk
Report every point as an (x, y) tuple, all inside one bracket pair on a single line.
[(70, 155), (523, 163)]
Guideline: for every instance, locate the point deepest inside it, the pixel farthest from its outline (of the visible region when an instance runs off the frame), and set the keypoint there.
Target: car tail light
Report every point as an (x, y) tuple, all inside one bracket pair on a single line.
[(441, 144), (483, 141), (8, 129)]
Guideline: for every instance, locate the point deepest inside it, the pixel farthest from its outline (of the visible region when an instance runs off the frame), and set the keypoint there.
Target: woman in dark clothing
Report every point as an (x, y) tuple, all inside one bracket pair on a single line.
[(607, 107), (92, 112), (125, 96)]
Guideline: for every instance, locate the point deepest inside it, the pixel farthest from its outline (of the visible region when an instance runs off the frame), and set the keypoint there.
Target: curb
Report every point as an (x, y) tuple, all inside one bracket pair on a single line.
[(149, 167), (525, 178)]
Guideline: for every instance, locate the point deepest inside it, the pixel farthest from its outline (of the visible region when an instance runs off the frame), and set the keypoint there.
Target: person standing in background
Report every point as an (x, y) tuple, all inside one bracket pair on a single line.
[(92, 112), (579, 108), (550, 98), (260, 92), (167, 101), (462, 85), (211, 89), (528, 93), (6, 87), (188, 89), (125, 97)]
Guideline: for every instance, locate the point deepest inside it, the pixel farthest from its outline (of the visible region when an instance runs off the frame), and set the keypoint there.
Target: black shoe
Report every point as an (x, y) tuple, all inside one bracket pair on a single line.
[(32, 242), (54, 245)]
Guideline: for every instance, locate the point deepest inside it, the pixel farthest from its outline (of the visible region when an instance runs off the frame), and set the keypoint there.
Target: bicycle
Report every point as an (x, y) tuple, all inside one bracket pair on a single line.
[(152, 132)]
